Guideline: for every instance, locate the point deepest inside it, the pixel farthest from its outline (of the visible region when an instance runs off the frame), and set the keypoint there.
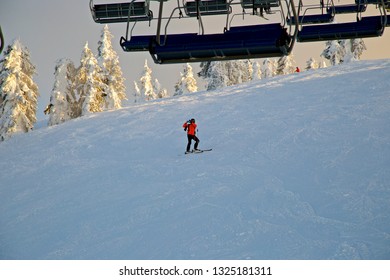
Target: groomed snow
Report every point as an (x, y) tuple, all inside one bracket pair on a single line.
[(300, 169)]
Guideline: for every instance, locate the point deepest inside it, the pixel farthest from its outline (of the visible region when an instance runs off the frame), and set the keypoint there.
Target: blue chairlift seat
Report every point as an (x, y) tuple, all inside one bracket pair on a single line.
[(253, 4), (313, 19), (366, 27), (348, 9), (207, 7), (256, 41), (121, 12)]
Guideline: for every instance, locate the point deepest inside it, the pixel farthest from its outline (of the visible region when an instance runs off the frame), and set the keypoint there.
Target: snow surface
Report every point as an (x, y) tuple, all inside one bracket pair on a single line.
[(300, 169)]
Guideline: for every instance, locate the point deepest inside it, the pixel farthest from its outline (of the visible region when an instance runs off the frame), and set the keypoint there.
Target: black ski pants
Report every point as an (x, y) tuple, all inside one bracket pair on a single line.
[(190, 138)]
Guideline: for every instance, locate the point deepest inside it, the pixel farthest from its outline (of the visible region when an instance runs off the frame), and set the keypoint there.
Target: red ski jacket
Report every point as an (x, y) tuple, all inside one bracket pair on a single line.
[(191, 128)]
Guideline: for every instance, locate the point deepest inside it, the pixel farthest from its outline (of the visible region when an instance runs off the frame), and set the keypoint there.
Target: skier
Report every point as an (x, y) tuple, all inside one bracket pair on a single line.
[(190, 127), (297, 70)]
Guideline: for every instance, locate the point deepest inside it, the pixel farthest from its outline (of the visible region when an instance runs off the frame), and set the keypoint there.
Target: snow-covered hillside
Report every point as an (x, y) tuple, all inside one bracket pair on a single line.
[(300, 169)]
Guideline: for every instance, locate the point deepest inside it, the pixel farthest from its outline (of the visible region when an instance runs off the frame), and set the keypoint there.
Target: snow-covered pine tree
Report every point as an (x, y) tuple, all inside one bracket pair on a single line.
[(204, 69), (159, 90), (311, 64), (285, 65), (163, 93), (63, 103), (240, 71), (137, 93), (322, 64), (347, 55), (213, 73), (256, 75), (187, 82), (268, 68), (89, 83), (216, 75), (180, 88), (333, 52), (145, 84), (357, 48), (18, 91), (112, 72)]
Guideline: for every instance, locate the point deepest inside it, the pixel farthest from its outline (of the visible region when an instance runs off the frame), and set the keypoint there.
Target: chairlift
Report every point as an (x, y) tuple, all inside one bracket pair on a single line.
[(236, 43), (363, 27), (121, 12), (258, 4), (323, 13), (239, 42), (206, 7)]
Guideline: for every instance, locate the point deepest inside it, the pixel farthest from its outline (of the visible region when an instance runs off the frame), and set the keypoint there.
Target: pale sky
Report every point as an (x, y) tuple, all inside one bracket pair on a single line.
[(54, 29)]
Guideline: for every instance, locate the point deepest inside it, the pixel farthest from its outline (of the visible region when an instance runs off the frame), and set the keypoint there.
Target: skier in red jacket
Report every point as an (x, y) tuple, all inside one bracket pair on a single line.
[(190, 127)]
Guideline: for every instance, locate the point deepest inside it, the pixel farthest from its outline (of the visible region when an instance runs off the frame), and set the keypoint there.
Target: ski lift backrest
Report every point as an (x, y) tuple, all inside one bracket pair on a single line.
[(253, 4), (207, 7), (313, 19), (121, 12), (348, 9)]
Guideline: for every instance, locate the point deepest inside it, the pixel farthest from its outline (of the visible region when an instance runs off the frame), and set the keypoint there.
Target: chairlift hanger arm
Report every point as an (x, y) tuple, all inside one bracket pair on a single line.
[(1, 40), (160, 12)]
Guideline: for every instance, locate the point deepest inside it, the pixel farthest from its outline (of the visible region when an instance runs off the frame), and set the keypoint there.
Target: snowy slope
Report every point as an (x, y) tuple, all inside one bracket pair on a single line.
[(300, 169)]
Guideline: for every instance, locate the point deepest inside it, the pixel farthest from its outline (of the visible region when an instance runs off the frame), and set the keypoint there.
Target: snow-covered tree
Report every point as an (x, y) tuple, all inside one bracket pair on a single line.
[(333, 52), (145, 84), (357, 48), (311, 64), (285, 65), (137, 97), (216, 75), (345, 52), (225, 73), (90, 85), (187, 82), (268, 69), (204, 69), (242, 70), (63, 102), (161, 92), (322, 64), (18, 91), (256, 74), (112, 72)]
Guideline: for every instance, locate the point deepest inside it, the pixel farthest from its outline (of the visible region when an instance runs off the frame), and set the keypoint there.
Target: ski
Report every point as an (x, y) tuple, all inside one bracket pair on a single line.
[(198, 151)]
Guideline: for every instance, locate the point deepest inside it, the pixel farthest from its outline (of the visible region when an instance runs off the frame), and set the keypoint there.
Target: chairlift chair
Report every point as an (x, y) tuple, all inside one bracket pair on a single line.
[(206, 7), (236, 43), (323, 13), (363, 27), (121, 12), (256, 4), (243, 42)]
